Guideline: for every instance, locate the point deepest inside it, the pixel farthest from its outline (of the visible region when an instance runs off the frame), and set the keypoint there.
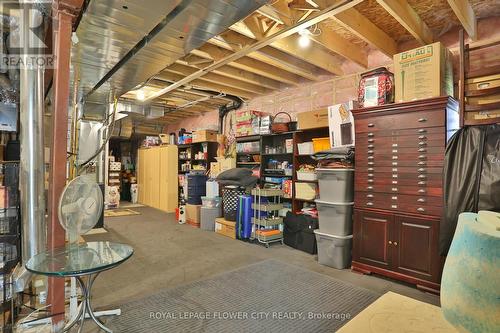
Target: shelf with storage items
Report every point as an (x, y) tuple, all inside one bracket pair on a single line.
[(202, 154), (268, 225), (248, 153), (303, 151), (10, 240), (276, 167)]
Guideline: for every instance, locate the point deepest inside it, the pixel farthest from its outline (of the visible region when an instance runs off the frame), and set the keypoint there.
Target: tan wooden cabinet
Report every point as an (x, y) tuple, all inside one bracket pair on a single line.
[(157, 177)]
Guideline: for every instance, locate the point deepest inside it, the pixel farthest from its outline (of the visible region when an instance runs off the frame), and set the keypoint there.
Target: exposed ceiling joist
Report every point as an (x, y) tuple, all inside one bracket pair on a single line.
[(338, 44), (285, 32), (216, 78), (176, 78), (248, 77), (409, 19), (313, 55), (251, 65), (465, 14), (362, 27), (232, 40)]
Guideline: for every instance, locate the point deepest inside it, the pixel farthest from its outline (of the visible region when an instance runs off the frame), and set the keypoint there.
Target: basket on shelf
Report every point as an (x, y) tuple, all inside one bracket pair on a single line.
[(281, 127)]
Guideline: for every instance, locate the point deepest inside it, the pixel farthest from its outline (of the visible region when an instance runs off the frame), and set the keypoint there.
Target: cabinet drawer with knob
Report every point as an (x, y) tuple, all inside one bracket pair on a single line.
[(432, 133), (396, 206), (415, 176), (362, 162), (407, 141), (397, 169), (401, 189), (419, 200), (389, 181), (422, 119)]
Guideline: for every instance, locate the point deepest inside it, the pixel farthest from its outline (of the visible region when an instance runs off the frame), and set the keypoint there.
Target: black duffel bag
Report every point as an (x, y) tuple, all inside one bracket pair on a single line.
[(299, 232)]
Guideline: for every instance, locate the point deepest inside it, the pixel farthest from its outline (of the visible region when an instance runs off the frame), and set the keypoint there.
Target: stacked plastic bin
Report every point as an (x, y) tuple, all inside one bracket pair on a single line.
[(335, 210), (211, 206)]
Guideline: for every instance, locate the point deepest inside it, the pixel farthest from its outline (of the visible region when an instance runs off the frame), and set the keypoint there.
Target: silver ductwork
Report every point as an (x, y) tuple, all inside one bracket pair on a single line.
[(32, 170)]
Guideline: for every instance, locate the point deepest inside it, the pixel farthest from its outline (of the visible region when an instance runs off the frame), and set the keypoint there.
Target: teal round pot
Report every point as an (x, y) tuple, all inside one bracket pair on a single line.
[(470, 285)]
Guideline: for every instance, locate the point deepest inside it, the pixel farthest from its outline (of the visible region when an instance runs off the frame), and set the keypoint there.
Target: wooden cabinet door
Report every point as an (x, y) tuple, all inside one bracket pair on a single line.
[(141, 179), (168, 178), (372, 233), (415, 247)]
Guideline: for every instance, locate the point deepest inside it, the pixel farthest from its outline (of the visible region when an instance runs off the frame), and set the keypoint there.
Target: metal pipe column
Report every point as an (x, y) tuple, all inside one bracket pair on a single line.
[(32, 171)]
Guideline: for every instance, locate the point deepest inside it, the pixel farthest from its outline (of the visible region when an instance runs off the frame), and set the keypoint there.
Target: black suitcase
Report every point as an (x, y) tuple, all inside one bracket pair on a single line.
[(299, 232)]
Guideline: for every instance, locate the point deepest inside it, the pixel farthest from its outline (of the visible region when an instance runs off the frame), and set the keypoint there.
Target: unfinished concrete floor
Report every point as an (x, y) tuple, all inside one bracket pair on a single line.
[(168, 254)]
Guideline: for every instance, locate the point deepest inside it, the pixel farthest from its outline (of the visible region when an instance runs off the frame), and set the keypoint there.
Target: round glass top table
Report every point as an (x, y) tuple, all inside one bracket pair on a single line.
[(79, 261)]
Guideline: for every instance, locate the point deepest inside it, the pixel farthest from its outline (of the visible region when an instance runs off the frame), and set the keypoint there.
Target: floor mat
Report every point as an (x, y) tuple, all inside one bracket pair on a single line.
[(126, 204), (120, 212), (269, 296)]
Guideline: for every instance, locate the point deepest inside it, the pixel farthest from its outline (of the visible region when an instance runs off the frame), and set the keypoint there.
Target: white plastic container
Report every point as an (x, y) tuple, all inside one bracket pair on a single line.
[(212, 189), (305, 148), (309, 176), (336, 185), (333, 251), (335, 218)]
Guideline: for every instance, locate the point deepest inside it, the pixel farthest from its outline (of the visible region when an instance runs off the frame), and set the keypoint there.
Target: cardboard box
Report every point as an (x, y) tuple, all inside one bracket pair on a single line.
[(193, 214), (341, 124), (312, 119), (225, 228), (423, 72), (204, 136), (477, 84)]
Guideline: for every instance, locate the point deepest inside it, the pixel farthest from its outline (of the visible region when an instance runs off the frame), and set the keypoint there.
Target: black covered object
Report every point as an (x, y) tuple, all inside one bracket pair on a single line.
[(196, 184), (237, 177), (471, 176), (299, 232)]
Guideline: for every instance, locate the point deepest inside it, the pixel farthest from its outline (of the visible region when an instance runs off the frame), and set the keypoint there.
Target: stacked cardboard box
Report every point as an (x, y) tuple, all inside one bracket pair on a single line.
[(225, 228), (193, 215), (248, 122)]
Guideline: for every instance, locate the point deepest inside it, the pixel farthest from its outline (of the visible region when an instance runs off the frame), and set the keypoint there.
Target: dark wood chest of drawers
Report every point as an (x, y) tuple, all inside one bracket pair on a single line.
[(398, 188)]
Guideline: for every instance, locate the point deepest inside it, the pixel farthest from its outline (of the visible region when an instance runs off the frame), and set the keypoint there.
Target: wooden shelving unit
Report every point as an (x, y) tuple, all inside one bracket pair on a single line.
[(252, 164), (298, 159)]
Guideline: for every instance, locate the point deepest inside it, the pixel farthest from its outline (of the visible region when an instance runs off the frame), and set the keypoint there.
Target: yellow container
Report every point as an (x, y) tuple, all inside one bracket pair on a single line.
[(320, 144)]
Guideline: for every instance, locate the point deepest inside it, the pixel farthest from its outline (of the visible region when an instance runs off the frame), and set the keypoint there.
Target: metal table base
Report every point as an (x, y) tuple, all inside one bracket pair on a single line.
[(86, 307)]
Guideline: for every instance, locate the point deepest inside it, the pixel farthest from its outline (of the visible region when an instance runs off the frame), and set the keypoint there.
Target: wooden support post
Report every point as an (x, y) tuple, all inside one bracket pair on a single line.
[(63, 15)]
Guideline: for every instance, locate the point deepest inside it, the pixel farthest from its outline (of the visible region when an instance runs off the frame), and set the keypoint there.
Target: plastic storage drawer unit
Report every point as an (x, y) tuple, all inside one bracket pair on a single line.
[(335, 218), (208, 216), (336, 185), (334, 251)]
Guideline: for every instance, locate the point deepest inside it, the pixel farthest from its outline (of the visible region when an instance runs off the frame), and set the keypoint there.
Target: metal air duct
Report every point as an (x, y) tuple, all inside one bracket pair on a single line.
[(32, 170)]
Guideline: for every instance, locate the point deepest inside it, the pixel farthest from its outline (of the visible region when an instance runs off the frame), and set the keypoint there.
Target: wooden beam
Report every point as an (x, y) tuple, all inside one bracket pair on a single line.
[(176, 78), (362, 27), (463, 10), (234, 41), (249, 77), (313, 55), (251, 65), (285, 32), (338, 44), (408, 18), (186, 70)]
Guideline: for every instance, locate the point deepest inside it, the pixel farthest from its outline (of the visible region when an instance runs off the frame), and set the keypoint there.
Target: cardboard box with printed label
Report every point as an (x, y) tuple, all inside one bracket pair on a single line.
[(204, 136), (312, 119), (423, 72), (225, 228)]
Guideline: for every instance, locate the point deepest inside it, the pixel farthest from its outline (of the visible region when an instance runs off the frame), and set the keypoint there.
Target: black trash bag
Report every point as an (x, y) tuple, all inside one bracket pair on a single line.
[(471, 177)]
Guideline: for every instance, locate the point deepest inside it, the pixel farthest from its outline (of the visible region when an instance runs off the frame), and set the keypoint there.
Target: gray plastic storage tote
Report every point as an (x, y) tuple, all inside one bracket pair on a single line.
[(335, 218), (336, 185), (208, 216), (334, 251)]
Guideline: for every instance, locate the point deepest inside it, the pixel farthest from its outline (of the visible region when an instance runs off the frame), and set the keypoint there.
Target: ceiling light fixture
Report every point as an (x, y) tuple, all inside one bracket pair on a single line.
[(140, 95), (304, 40)]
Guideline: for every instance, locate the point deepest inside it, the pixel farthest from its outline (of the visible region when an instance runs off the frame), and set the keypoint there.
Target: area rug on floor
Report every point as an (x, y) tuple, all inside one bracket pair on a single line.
[(120, 212), (269, 296)]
